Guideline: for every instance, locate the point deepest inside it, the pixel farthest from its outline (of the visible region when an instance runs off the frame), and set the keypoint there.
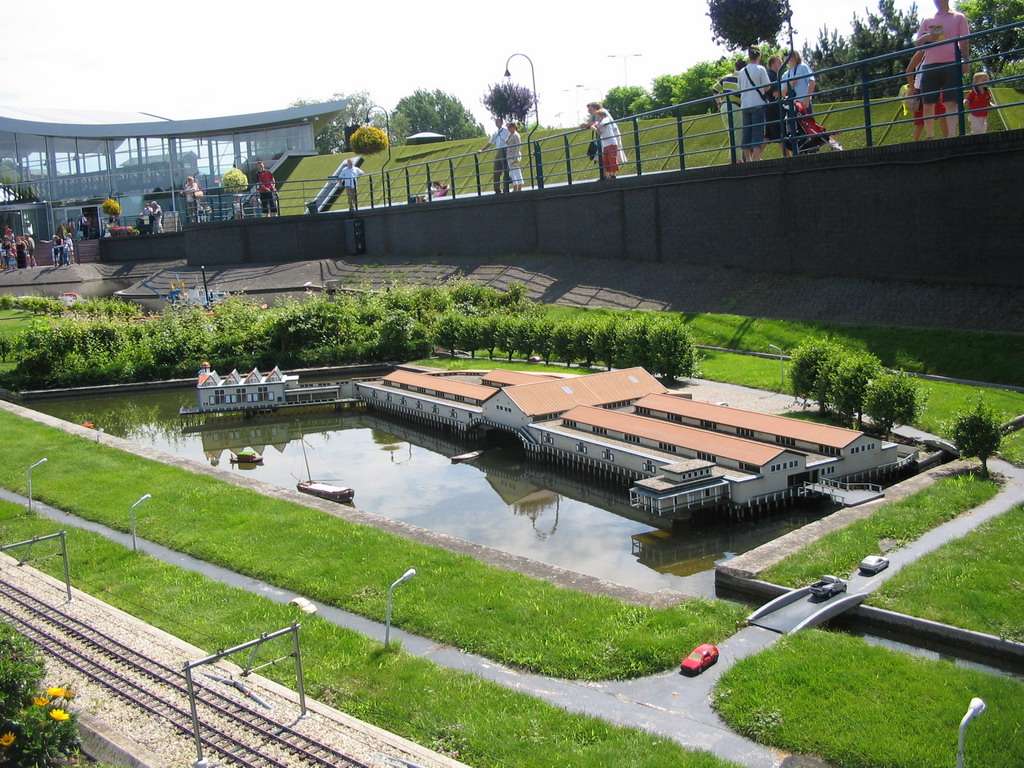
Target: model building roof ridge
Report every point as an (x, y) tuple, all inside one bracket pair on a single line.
[(443, 384), (558, 395), (672, 433), (824, 434)]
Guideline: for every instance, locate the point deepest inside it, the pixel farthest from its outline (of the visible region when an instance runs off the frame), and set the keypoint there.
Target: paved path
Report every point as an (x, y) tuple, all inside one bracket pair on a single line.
[(667, 704)]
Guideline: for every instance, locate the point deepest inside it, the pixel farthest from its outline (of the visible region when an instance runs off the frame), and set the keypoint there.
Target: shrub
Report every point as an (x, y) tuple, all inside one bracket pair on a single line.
[(369, 140), (976, 432)]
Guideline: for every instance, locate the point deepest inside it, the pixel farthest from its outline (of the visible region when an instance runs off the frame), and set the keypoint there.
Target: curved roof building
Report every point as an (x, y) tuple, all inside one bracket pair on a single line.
[(56, 165)]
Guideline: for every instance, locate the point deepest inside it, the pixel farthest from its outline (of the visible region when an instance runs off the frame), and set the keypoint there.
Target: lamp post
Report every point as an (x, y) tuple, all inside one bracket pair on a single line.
[(782, 367), (533, 79), (625, 57), (29, 473), (132, 512), (391, 592), (387, 126), (976, 707), (206, 290)]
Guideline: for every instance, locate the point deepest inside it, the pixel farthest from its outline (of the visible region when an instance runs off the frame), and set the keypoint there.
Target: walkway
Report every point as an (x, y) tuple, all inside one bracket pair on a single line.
[(666, 704)]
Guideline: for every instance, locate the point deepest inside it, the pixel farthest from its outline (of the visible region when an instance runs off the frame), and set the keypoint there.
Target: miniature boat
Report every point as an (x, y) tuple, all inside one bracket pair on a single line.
[(465, 457), (248, 456), (319, 488), (324, 490)]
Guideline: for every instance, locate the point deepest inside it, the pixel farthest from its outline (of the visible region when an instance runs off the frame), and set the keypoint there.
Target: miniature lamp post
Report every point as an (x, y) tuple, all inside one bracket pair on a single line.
[(782, 367), (391, 592), (533, 78), (977, 706), (144, 498), (29, 473)]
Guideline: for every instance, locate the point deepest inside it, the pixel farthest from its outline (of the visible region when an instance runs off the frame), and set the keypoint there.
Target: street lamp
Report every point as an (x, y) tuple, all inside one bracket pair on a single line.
[(977, 706), (144, 498), (29, 472), (391, 592), (782, 367), (387, 126), (533, 78), (625, 57)]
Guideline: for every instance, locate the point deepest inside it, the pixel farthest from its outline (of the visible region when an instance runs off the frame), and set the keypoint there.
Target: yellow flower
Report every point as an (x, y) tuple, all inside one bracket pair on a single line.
[(7, 739), (56, 693), (40, 701), (59, 714)]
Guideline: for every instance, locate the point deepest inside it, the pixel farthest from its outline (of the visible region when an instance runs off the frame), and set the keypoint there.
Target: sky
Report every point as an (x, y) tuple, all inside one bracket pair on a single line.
[(208, 59)]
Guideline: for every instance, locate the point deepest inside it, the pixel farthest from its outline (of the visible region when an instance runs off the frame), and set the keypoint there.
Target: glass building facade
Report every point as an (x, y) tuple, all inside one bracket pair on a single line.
[(54, 171)]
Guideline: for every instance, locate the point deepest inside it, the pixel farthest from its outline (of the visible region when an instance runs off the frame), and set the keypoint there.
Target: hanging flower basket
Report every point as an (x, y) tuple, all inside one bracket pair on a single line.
[(369, 140), (111, 207)]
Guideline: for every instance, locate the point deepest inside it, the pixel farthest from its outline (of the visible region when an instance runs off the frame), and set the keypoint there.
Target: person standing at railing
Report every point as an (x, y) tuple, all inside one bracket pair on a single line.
[(190, 192), (609, 139), (977, 103), (728, 100), (266, 186), (498, 142), (349, 175), (773, 129), (514, 156), (798, 81), (940, 74), (754, 85)]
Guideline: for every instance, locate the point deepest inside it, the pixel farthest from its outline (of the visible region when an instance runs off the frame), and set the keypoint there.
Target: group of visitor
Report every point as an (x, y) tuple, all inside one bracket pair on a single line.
[(506, 141), (17, 251)]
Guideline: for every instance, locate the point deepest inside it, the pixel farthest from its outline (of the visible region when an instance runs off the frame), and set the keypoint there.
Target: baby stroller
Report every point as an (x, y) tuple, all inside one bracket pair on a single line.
[(810, 135)]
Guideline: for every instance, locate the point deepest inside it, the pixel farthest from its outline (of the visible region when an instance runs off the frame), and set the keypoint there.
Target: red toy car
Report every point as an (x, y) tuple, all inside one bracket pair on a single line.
[(703, 656)]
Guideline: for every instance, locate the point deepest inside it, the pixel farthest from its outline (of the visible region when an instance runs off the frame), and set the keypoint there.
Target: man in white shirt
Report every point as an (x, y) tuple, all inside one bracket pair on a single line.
[(798, 81), (754, 85), (498, 142), (349, 174)]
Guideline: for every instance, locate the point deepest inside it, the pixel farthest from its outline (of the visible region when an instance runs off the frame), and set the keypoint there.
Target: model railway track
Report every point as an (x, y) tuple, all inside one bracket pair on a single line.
[(232, 733)]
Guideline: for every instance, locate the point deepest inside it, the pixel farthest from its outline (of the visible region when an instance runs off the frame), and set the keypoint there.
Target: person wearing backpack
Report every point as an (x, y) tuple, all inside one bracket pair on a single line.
[(754, 86)]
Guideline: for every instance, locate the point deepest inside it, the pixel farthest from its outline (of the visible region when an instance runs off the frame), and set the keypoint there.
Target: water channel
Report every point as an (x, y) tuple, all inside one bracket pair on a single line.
[(403, 471)]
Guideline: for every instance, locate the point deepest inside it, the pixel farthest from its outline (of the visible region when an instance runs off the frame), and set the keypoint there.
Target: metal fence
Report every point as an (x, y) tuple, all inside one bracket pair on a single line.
[(858, 103)]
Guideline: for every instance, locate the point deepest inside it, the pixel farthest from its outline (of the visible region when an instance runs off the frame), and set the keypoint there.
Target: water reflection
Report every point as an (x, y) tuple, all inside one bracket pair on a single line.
[(404, 472)]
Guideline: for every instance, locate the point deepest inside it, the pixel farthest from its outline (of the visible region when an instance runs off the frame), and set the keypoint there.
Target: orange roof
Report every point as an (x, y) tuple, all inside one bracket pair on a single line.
[(715, 443), (443, 384), (502, 376), (808, 431), (560, 395)]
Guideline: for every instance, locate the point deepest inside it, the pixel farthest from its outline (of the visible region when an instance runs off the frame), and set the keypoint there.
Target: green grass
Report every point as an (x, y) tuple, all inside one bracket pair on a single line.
[(900, 522), (974, 582), (473, 720), (860, 706), (502, 615)]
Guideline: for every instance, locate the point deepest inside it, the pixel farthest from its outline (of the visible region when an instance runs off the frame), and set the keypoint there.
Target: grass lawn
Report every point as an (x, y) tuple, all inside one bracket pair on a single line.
[(861, 706), (496, 613), (974, 582), (478, 722), (902, 521)]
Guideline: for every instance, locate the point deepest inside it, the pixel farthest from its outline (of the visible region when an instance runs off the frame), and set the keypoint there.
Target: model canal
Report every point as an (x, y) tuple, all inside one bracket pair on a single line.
[(404, 472)]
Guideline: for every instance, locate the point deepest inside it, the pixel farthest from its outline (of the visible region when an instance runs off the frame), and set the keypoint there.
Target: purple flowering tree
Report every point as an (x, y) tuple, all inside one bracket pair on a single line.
[(509, 101)]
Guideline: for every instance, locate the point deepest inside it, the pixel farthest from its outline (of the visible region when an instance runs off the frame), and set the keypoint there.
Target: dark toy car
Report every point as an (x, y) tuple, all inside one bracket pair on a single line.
[(828, 586)]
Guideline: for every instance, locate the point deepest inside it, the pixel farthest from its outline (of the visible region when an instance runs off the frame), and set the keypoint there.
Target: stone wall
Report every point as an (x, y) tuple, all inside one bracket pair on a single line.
[(939, 211)]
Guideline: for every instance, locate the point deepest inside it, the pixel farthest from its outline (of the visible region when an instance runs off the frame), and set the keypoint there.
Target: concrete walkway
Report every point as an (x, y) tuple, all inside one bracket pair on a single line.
[(667, 704)]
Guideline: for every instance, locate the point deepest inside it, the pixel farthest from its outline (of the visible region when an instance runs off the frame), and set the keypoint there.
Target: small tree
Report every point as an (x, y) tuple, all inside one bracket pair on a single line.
[(848, 383), (810, 370), (745, 23), (235, 181), (976, 432), (509, 101), (894, 398)]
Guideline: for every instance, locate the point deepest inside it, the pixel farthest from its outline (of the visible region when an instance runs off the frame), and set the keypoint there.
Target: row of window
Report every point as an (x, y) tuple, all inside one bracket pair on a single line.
[(785, 465), (860, 448)]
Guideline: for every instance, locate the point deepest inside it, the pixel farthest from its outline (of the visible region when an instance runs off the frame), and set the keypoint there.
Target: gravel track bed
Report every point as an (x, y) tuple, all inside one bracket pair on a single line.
[(158, 742)]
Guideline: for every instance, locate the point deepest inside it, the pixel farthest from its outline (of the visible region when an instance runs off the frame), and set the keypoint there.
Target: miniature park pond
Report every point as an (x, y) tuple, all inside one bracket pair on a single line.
[(403, 471)]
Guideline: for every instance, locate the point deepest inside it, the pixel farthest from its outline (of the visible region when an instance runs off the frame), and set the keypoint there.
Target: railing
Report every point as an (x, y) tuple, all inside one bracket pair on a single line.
[(860, 102)]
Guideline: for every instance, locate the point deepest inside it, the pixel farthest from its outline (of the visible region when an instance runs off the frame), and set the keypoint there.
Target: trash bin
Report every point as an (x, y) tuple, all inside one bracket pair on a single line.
[(355, 237)]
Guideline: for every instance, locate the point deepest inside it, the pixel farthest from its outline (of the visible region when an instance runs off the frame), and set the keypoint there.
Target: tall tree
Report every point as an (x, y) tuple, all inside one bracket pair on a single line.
[(746, 23), (998, 48), (877, 35), (623, 101), (696, 82), (331, 139), (438, 112)]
